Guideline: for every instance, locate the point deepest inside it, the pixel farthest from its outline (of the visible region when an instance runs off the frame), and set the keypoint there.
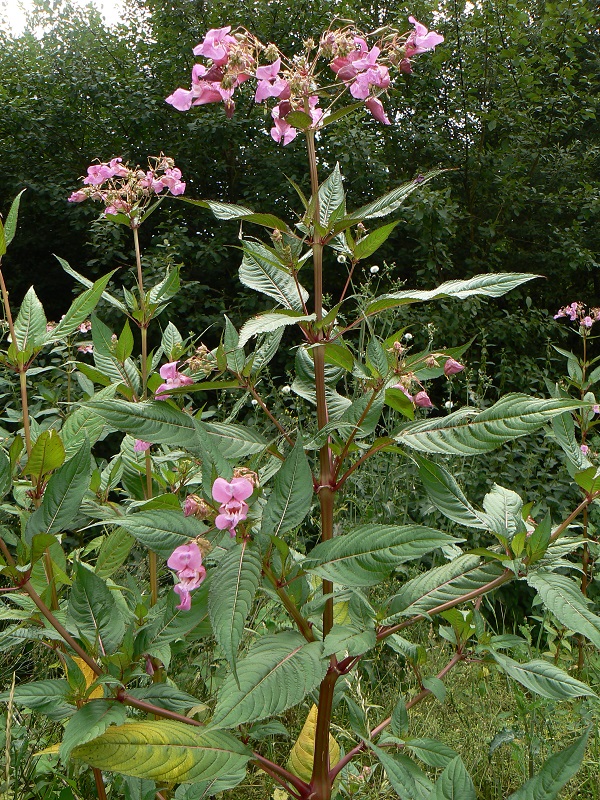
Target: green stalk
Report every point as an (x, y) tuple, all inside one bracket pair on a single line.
[(289, 605)]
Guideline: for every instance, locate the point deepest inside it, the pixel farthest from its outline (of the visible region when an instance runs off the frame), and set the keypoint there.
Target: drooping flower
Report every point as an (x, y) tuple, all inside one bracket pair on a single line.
[(451, 367), (422, 400), (186, 561), (270, 84), (140, 446), (216, 45), (172, 380), (421, 40), (282, 132), (231, 496), (375, 107)]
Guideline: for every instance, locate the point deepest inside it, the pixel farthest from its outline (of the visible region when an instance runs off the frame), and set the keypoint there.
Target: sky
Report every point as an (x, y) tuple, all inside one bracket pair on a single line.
[(13, 11)]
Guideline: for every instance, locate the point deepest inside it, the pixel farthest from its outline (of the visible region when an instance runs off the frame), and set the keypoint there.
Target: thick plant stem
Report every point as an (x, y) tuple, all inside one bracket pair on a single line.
[(99, 784), (321, 783), (25, 407)]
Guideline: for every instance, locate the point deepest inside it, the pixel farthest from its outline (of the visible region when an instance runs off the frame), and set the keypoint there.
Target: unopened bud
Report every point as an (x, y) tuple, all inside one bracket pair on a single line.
[(195, 506), (248, 474)]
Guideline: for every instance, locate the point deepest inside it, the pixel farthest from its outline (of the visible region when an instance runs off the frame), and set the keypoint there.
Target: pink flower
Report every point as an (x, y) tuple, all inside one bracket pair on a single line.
[(231, 496), (422, 400), (596, 409), (140, 446), (421, 40), (403, 389), (269, 85), (216, 45), (587, 322), (77, 197), (181, 99), (173, 379), (85, 348), (584, 449), (86, 326), (282, 132), (186, 560), (451, 367), (186, 556), (375, 106)]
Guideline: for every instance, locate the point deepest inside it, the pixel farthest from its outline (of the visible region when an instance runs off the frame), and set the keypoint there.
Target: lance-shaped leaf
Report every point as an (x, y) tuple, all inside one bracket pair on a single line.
[(47, 454), (263, 272), (161, 530), (228, 211), (454, 783), (175, 623), (93, 611), (304, 384), (277, 673), (389, 202), (408, 781), (30, 324), (291, 496), (234, 441), (10, 223), (373, 241), (63, 496), (442, 585), (555, 773), (83, 423), (165, 750), (80, 310), (563, 598), (302, 754), (446, 495), (113, 552), (543, 678), (89, 721), (89, 284), (235, 581), (468, 432), (503, 511), (331, 195), (368, 553), (265, 323), (488, 285), (38, 695)]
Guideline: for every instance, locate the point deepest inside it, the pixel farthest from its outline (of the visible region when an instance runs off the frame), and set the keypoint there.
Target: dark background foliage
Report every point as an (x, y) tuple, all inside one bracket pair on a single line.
[(508, 103)]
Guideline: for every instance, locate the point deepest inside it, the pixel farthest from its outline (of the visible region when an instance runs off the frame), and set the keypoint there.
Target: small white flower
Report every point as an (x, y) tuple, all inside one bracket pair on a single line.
[(285, 389), (408, 337), (374, 269), (341, 258), (254, 401), (448, 405)]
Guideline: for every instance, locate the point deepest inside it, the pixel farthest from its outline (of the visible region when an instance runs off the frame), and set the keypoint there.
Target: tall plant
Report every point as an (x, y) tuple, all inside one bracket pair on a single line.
[(234, 541)]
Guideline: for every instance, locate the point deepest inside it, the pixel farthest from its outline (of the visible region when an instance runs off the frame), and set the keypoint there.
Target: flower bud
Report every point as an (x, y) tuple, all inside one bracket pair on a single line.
[(451, 367), (421, 400)]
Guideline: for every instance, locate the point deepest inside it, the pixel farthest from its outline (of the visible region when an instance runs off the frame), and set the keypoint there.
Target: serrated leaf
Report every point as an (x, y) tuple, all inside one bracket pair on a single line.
[(443, 584), (364, 555), (302, 754), (234, 441), (266, 347), (47, 454), (365, 410), (304, 384), (397, 399), (161, 530), (291, 495), (503, 509), (165, 750), (233, 350), (468, 432), (262, 272), (10, 224), (554, 774), (277, 673), (63, 496), (564, 431), (235, 581), (265, 323), (399, 722), (89, 721), (432, 752), (454, 783), (331, 195), (389, 202), (93, 611), (407, 780), (30, 324), (5, 474), (446, 495), (80, 309), (563, 598), (113, 552), (373, 241), (487, 285), (38, 695), (89, 284), (347, 639), (543, 678)]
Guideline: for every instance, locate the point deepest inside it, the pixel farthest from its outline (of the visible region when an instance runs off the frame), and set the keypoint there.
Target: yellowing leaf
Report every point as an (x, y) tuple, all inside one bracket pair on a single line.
[(90, 676), (48, 751), (341, 615), (302, 753)]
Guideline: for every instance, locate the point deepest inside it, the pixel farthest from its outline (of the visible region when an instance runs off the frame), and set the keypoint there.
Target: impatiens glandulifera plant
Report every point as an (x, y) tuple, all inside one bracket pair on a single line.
[(224, 506)]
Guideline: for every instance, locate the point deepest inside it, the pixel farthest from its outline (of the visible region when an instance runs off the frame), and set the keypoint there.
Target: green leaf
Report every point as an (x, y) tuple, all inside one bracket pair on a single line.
[(106, 360), (555, 773), (2, 240), (537, 544), (432, 752), (563, 427), (161, 531), (10, 224), (369, 406), (165, 750), (488, 285), (442, 585), (373, 241), (261, 271), (235, 581), (80, 309), (124, 345), (266, 348), (389, 202), (331, 195), (63, 496), (446, 495), (503, 512), (365, 555), (396, 399), (291, 495), (89, 721), (304, 384), (166, 696), (399, 723), (39, 695), (113, 552), (229, 211), (30, 324), (83, 423), (299, 119), (93, 611), (407, 780), (89, 284), (454, 783), (339, 355), (543, 678), (264, 323), (468, 432), (234, 441), (563, 598), (377, 358), (350, 640), (166, 289), (233, 350), (47, 454), (175, 623), (5, 474), (277, 673)]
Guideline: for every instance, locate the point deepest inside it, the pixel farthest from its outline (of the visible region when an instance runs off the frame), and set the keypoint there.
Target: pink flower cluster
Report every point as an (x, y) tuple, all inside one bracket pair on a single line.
[(231, 496), (126, 190), (172, 379), (186, 561), (577, 312), (233, 59)]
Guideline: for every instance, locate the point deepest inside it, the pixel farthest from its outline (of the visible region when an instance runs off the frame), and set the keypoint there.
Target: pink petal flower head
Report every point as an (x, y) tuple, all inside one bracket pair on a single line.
[(404, 389), (169, 371), (216, 45), (190, 578), (422, 400), (587, 322), (181, 99), (186, 556), (117, 168), (238, 489), (77, 197), (230, 514), (140, 446), (375, 106), (451, 367), (173, 379), (186, 597), (421, 40), (85, 348), (282, 132), (584, 449), (596, 409)]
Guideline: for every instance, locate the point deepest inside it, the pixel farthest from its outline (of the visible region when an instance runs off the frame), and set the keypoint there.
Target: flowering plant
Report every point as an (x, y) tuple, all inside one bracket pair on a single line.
[(223, 505)]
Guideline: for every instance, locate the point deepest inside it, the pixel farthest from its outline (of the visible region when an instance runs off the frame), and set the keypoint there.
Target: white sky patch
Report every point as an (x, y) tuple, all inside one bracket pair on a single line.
[(12, 12)]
